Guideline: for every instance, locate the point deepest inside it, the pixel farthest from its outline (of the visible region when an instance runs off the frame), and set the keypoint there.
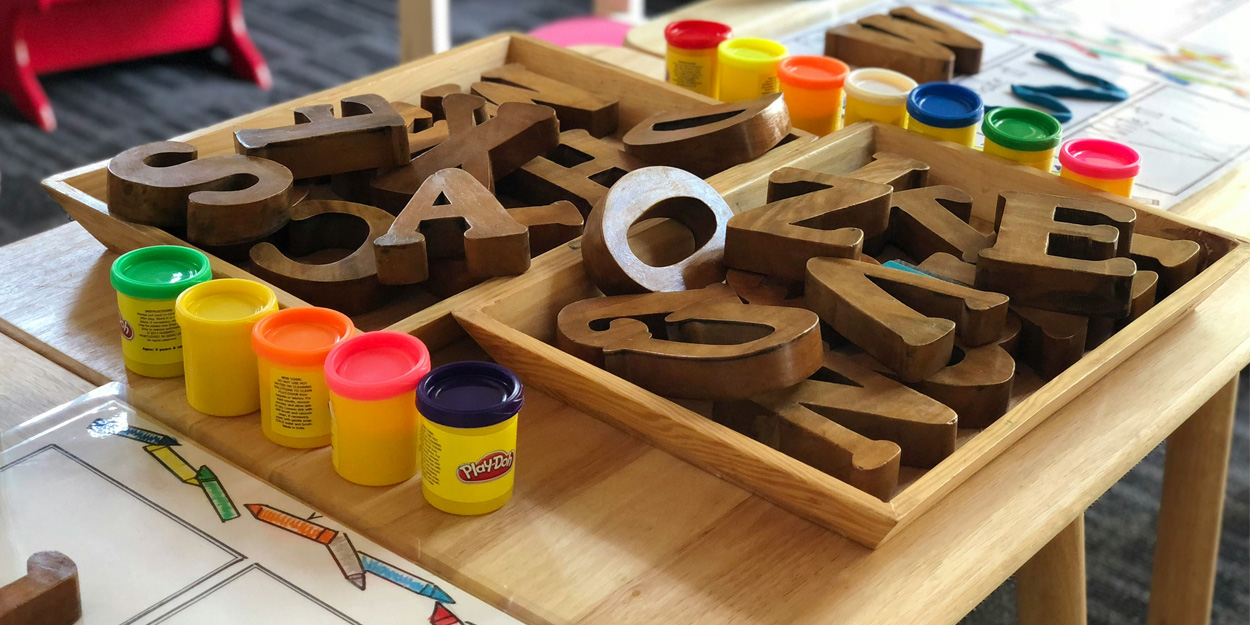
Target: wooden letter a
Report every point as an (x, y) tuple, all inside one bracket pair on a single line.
[(452, 216)]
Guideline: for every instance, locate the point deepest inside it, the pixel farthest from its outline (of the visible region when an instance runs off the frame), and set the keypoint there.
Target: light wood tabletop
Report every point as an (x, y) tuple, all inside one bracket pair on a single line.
[(604, 528)]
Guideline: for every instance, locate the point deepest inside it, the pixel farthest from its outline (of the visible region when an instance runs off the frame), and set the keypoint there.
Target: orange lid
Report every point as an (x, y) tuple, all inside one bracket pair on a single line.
[(300, 337), (819, 73)]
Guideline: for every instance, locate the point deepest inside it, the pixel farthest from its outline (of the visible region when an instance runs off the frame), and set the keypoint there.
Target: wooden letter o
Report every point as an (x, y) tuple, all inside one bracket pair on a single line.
[(653, 193)]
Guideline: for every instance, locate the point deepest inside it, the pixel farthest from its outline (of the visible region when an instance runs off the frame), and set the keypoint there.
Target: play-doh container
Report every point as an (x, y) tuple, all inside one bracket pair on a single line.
[(217, 319), (812, 86), (1107, 165), (374, 424), (469, 426), (877, 95), (690, 60), (945, 111), (1026, 136), (291, 347), (148, 281), (748, 68)]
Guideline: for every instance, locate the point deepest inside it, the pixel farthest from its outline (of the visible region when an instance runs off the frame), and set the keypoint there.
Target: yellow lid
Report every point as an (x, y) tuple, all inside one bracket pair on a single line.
[(879, 86), (225, 302), (751, 53)]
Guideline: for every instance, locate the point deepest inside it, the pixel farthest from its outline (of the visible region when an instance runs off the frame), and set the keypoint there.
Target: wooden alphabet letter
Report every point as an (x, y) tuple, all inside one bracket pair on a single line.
[(452, 216), (762, 290), (929, 220), (908, 42), (851, 423), (906, 320), (321, 231), (47, 595), (519, 133), (1062, 254), (1145, 289), (652, 193), (900, 172), (1176, 261), (549, 226), (576, 108), (709, 139), (580, 170), (370, 134), (777, 239), (699, 344), (221, 200), (1049, 341)]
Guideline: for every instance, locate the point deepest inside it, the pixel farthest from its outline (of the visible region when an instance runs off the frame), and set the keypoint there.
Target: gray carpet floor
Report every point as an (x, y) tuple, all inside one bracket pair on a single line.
[(312, 44)]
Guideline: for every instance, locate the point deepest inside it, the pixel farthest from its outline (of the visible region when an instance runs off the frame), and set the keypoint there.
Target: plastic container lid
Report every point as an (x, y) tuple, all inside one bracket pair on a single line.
[(1027, 130), (696, 34), (225, 302), (751, 52), (879, 86), (159, 272), (470, 395), (818, 73), (1100, 158), (944, 105), (300, 337), (376, 365)]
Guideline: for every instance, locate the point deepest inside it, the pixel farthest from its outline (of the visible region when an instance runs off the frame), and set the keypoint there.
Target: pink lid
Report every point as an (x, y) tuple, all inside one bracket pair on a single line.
[(1100, 158), (377, 365)]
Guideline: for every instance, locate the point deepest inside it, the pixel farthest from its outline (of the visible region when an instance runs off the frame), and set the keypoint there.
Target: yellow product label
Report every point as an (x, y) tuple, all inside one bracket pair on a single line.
[(769, 84), (150, 334), (299, 403), (468, 465)]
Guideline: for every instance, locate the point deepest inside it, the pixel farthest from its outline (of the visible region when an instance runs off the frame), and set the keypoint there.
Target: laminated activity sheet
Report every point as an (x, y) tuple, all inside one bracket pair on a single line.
[(1186, 114), (165, 532)]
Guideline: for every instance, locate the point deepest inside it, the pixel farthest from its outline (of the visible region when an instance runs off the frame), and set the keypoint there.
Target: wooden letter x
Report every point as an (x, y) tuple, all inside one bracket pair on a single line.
[(580, 170), (906, 320), (699, 344), (452, 216), (1061, 254), (777, 239), (370, 134), (929, 220), (519, 133)]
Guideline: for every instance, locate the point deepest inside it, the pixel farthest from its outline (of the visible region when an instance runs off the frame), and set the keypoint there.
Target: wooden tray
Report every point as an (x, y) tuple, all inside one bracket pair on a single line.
[(82, 192), (515, 322)]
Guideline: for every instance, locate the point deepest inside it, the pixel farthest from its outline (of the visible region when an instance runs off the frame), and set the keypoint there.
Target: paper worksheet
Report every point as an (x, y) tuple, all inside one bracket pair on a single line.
[(165, 532), (1189, 131)]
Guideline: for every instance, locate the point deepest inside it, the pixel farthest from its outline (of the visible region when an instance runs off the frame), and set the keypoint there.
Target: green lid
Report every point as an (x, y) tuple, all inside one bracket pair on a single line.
[(159, 272), (1021, 129)]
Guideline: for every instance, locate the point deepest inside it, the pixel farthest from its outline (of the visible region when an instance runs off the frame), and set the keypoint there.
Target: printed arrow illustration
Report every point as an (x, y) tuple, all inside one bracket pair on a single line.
[(216, 494), (117, 426), (403, 579), (175, 463), (161, 447), (340, 546), (443, 616)]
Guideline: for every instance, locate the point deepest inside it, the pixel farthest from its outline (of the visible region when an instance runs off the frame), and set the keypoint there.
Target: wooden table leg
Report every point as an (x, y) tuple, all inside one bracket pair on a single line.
[(1192, 506), (1050, 587)]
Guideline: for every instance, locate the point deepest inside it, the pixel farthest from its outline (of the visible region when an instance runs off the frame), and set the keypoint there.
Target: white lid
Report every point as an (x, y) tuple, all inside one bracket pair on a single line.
[(879, 86)]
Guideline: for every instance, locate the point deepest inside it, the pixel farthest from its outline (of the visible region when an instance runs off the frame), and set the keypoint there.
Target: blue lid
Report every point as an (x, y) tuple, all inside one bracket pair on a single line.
[(943, 105), (469, 394)]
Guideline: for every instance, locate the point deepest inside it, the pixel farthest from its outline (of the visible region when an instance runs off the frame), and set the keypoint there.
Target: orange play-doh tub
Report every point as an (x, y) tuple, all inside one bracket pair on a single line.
[(291, 347)]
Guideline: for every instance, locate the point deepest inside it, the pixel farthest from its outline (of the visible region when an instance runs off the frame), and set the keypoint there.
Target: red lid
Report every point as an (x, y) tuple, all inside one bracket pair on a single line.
[(696, 34), (818, 73), (1100, 158), (377, 365)]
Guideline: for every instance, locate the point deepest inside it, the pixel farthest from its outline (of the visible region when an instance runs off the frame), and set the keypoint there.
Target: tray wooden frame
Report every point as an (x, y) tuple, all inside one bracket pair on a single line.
[(515, 324)]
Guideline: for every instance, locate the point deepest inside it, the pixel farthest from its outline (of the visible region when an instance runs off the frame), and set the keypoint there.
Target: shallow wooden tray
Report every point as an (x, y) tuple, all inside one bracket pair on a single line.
[(82, 192), (515, 323)]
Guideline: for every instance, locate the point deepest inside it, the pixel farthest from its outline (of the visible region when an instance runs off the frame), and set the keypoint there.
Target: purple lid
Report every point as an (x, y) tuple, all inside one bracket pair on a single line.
[(469, 394)]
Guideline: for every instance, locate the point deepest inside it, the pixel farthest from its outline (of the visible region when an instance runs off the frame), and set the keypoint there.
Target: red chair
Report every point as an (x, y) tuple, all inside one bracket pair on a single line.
[(46, 36)]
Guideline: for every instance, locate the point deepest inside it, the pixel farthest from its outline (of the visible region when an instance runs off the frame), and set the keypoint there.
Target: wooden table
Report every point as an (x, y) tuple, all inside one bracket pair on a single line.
[(604, 528)]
